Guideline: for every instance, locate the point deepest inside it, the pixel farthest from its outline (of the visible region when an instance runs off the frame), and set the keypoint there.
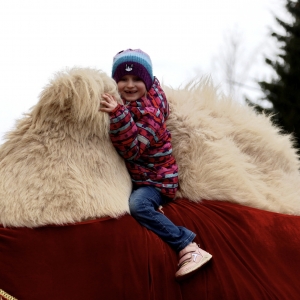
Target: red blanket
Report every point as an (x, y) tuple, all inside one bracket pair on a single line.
[(255, 256)]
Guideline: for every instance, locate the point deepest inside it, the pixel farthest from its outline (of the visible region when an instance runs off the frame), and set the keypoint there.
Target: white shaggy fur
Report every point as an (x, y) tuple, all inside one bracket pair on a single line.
[(225, 151), (58, 165)]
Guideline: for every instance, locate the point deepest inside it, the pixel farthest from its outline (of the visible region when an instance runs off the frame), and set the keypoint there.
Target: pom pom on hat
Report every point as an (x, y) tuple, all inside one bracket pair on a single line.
[(133, 62)]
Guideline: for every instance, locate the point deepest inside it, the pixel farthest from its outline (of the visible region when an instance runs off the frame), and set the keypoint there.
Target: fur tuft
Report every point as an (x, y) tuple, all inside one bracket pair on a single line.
[(225, 151), (58, 165)]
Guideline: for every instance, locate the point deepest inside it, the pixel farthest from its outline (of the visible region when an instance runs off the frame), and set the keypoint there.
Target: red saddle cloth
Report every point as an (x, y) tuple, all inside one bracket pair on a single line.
[(256, 255)]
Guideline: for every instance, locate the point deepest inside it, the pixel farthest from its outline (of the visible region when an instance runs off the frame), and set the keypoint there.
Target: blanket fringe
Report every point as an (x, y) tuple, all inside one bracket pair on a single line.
[(5, 296)]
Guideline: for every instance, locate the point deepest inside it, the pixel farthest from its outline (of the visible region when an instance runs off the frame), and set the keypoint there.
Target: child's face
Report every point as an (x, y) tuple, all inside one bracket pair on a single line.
[(131, 88)]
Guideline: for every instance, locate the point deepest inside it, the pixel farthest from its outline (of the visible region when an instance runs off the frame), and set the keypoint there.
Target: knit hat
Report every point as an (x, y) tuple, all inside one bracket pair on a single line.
[(133, 62)]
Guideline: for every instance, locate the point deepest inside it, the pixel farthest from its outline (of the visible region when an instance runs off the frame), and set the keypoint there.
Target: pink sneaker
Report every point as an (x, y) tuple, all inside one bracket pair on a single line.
[(191, 258)]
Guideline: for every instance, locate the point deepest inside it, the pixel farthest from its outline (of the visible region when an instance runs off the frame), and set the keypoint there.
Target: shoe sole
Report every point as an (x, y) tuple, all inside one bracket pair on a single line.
[(193, 270)]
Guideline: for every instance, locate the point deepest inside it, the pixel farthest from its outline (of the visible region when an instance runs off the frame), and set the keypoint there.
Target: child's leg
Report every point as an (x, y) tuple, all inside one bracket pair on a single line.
[(143, 204)]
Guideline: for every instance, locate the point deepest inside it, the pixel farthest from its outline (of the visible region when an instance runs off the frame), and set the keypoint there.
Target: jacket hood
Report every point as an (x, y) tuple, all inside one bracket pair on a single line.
[(158, 98)]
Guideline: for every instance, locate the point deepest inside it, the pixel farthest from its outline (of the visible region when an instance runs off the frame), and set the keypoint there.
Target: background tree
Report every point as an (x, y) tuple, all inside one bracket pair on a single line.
[(283, 91), (234, 63), (229, 63)]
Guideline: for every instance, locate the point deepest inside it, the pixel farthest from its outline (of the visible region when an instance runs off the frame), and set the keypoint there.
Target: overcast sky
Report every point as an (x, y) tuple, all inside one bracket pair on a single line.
[(184, 39)]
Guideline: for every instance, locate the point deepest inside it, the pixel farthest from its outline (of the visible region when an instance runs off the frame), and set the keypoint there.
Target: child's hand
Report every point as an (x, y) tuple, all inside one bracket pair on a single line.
[(108, 104)]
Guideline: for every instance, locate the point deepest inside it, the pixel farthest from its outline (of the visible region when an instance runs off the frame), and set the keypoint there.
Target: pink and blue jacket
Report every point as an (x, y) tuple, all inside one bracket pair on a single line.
[(138, 131)]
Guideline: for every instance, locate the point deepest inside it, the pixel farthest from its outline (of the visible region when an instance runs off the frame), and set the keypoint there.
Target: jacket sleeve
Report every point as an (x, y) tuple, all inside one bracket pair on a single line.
[(131, 138)]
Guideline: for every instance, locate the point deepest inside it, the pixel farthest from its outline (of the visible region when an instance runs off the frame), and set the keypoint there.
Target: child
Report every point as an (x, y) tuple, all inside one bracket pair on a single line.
[(138, 132)]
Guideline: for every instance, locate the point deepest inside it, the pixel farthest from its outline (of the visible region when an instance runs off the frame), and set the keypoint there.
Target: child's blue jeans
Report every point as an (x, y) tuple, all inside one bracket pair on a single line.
[(143, 204)]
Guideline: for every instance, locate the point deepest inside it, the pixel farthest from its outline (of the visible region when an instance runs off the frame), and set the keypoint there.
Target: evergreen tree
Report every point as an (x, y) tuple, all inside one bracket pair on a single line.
[(284, 90)]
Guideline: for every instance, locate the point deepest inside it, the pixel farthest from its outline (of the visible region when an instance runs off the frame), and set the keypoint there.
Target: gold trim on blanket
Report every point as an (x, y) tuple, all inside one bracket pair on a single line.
[(6, 296)]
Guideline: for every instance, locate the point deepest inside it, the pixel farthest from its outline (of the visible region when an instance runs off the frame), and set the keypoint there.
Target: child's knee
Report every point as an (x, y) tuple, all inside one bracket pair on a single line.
[(134, 206), (142, 200)]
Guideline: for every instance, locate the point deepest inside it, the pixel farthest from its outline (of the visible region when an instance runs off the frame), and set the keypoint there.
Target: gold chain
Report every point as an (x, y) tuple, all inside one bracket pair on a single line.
[(7, 296)]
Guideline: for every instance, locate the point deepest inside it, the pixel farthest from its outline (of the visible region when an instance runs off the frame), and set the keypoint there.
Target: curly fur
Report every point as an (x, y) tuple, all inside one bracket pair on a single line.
[(225, 151), (58, 165)]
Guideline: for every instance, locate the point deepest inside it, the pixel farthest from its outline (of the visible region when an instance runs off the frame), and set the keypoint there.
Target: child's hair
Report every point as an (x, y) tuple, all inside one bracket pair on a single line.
[(133, 62)]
